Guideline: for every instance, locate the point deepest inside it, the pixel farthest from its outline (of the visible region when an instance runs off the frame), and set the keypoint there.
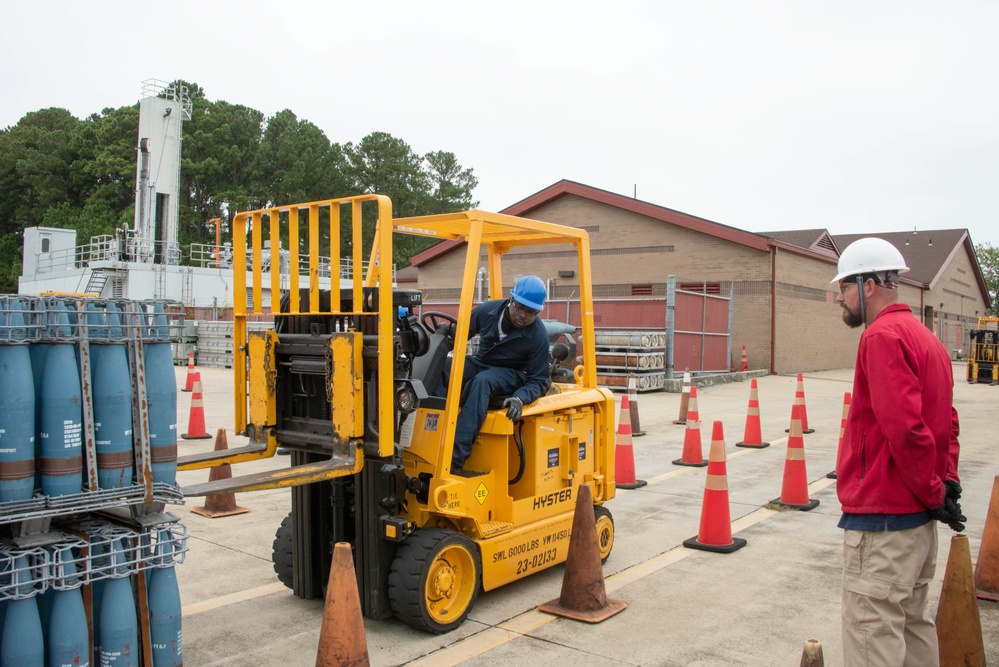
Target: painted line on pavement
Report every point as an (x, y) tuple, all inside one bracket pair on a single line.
[(232, 598)]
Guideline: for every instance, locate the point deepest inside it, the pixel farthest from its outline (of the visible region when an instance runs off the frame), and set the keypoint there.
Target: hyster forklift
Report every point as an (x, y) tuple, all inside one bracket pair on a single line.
[(345, 379)]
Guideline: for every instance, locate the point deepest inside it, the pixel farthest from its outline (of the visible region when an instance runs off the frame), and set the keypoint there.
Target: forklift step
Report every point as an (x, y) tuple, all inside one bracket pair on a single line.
[(491, 528), (277, 479)]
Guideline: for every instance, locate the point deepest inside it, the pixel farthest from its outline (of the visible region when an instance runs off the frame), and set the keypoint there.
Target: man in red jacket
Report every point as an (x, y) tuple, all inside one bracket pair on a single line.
[(897, 467)]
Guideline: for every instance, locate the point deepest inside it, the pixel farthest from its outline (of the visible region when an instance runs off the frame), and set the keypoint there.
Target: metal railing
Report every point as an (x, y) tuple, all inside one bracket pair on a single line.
[(125, 246)]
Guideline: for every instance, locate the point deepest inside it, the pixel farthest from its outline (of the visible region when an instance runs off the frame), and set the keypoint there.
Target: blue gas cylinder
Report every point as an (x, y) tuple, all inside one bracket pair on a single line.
[(37, 353), (21, 642), (111, 388), (68, 637), (61, 434), (161, 396), (17, 408), (164, 606), (118, 627)]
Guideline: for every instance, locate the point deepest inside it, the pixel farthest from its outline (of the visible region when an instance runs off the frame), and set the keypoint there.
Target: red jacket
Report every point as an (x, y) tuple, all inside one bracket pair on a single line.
[(900, 442)]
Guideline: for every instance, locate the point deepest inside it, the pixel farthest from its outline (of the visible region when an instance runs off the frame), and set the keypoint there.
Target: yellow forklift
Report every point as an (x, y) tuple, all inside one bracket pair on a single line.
[(983, 358), (344, 378)]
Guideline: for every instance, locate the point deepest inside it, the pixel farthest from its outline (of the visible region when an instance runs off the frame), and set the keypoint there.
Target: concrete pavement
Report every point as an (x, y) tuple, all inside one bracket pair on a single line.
[(756, 606)]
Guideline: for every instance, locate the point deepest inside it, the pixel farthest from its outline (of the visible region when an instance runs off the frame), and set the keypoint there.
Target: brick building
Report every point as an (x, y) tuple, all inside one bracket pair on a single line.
[(783, 306)]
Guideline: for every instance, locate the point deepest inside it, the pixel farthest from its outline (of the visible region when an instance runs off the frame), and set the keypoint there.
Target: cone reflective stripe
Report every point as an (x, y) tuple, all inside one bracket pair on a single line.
[(684, 399), (745, 362), (220, 504), (794, 490), (196, 418), (189, 383), (959, 625), (842, 431), (752, 436), (987, 567), (715, 532), (636, 423), (584, 596), (692, 455), (624, 455), (341, 636), (799, 399)]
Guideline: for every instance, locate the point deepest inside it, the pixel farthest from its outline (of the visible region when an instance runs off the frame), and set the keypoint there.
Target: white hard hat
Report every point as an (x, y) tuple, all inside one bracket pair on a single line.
[(869, 255)]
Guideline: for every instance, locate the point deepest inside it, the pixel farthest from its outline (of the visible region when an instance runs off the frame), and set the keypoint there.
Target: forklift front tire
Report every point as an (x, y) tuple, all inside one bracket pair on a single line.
[(435, 580), (605, 531), (281, 554)]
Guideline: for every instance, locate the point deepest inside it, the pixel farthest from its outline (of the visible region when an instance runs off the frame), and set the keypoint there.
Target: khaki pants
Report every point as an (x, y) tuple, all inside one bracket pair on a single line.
[(886, 575)]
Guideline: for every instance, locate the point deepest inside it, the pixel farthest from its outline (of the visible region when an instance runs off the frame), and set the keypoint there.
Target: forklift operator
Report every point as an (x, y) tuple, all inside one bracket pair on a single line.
[(512, 361)]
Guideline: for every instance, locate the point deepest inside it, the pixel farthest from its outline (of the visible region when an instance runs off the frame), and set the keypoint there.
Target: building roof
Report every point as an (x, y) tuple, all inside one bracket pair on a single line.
[(524, 207), (926, 253), (817, 240)]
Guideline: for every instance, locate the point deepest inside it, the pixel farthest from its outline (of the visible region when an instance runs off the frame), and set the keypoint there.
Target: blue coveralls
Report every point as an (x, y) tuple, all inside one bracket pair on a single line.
[(515, 366)]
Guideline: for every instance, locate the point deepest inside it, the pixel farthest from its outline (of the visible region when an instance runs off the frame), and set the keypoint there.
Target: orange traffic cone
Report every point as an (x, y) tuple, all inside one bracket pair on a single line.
[(987, 567), (196, 418), (220, 504), (799, 399), (811, 654), (745, 361), (636, 423), (341, 636), (959, 626), (794, 491), (189, 384), (692, 455), (715, 533), (584, 596), (684, 399), (752, 436), (842, 431), (624, 455)]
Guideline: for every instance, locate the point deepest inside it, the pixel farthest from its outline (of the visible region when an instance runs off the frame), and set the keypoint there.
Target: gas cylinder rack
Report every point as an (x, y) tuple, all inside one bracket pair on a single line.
[(88, 449)]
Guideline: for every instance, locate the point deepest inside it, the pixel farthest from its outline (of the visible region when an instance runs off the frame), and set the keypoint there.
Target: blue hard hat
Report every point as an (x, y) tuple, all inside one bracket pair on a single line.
[(530, 291)]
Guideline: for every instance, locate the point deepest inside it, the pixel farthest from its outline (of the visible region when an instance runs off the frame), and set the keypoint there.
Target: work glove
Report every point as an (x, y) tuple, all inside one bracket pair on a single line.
[(950, 511), (514, 407)]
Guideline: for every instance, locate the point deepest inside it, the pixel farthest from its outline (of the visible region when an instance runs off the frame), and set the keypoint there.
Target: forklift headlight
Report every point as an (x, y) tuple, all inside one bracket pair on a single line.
[(408, 395)]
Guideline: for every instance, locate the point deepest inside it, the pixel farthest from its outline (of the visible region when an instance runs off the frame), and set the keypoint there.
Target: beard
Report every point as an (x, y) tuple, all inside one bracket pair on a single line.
[(851, 318)]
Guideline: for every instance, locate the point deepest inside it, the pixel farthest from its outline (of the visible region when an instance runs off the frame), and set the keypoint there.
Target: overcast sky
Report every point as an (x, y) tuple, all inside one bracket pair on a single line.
[(848, 115)]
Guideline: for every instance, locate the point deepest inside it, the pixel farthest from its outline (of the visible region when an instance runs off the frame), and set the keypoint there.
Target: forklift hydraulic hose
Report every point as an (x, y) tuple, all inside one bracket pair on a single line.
[(518, 437)]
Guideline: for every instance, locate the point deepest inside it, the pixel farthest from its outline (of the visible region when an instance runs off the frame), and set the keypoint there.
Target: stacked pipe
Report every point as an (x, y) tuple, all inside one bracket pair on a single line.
[(620, 353)]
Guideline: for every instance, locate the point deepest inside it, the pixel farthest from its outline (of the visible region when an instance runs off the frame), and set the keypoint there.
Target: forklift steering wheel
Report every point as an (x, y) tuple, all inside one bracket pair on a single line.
[(432, 318)]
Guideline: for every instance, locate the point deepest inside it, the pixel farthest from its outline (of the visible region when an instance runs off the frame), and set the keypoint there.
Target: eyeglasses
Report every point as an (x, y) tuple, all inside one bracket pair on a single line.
[(843, 286), (530, 312)]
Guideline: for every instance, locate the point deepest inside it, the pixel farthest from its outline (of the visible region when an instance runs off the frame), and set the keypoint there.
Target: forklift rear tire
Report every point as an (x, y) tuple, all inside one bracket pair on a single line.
[(435, 580), (281, 554), (605, 531)]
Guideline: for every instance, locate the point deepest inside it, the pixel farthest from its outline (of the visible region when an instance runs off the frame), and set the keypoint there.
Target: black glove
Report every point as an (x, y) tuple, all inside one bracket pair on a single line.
[(950, 511), (514, 407)]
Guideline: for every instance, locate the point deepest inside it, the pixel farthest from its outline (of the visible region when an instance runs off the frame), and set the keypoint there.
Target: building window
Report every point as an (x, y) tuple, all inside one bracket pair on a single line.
[(45, 244), (642, 289)]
